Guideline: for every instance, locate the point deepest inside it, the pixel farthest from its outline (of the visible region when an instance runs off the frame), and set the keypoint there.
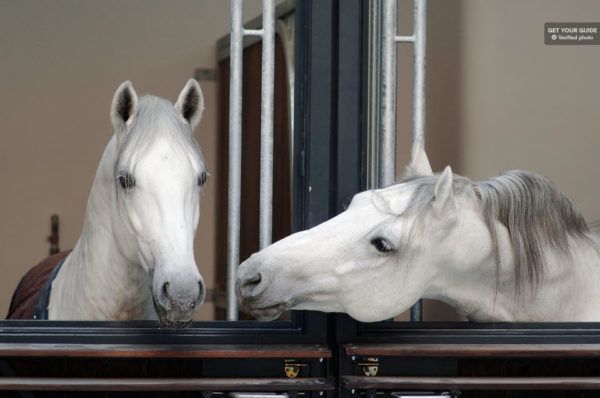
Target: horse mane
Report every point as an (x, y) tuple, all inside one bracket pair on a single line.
[(533, 211)]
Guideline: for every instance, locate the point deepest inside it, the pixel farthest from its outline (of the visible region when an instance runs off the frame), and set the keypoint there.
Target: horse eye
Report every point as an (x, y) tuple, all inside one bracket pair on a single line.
[(382, 245), (127, 181), (202, 179)]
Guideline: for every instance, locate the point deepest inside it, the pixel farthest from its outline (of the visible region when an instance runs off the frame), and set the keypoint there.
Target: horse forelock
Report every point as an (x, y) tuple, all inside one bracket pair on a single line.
[(155, 118), (535, 214)]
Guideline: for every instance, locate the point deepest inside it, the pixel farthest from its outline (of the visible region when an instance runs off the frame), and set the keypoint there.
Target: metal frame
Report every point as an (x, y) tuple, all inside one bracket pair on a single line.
[(387, 12), (285, 22), (331, 158), (313, 36), (508, 342), (105, 356), (267, 34), (231, 47), (373, 92), (350, 331), (304, 327), (368, 154)]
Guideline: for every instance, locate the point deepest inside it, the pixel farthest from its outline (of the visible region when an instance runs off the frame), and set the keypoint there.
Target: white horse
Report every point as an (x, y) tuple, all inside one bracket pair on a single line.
[(510, 248), (135, 258)]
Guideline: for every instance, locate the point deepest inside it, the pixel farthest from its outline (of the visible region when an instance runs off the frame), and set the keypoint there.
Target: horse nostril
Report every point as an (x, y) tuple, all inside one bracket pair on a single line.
[(255, 280), (165, 290), (180, 295), (200, 292), (252, 286)]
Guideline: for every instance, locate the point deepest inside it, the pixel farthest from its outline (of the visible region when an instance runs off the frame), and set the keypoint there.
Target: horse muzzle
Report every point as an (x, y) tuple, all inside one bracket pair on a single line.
[(175, 301), (252, 291)]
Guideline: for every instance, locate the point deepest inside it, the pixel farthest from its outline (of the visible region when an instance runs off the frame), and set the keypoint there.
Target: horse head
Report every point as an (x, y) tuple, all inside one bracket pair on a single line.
[(374, 260), (158, 177)]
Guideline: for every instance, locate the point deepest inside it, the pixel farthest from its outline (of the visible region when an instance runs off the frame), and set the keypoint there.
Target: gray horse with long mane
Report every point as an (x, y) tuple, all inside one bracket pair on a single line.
[(135, 256), (510, 248)]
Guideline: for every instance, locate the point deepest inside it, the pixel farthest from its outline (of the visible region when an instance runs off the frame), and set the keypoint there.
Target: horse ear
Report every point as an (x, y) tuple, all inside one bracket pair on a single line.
[(444, 195), (124, 106), (190, 103), (419, 163)]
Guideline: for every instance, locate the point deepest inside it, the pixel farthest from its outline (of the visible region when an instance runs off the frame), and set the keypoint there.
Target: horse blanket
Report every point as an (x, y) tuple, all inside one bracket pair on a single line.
[(30, 299)]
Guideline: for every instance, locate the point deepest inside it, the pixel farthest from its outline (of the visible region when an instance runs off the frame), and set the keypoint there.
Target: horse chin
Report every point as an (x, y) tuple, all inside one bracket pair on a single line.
[(166, 323), (269, 313), (165, 320)]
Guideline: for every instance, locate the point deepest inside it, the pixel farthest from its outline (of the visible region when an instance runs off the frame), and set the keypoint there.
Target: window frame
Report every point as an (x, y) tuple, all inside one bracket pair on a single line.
[(314, 98)]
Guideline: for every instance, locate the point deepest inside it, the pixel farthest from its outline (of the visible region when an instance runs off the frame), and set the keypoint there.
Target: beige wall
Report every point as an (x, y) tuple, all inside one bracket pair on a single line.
[(500, 99), (527, 105), (60, 63)]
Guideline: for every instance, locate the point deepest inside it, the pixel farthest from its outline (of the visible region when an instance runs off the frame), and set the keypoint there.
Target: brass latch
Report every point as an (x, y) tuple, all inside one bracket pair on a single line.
[(370, 366), (292, 368)]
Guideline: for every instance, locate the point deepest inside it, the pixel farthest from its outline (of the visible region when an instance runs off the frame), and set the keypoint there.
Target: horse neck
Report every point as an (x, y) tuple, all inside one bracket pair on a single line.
[(96, 281), (567, 292)]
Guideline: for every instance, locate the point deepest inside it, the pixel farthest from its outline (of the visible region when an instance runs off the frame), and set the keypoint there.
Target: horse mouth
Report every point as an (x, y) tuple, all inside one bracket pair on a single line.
[(267, 313), (166, 322), (174, 324)]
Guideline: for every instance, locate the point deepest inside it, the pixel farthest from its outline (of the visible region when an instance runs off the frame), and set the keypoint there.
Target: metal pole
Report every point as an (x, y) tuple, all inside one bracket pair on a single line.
[(374, 92), (387, 143), (267, 33), (420, 22), (420, 29), (266, 125), (387, 139), (235, 155)]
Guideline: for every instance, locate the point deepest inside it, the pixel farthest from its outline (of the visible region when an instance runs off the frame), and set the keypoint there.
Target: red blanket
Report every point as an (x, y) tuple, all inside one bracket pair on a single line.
[(25, 298)]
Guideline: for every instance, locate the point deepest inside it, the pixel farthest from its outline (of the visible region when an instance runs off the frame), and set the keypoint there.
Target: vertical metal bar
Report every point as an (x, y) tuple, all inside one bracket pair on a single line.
[(387, 133), (420, 29), (235, 155), (267, 33), (420, 26), (374, 93), (387, 142), (266, 125)]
